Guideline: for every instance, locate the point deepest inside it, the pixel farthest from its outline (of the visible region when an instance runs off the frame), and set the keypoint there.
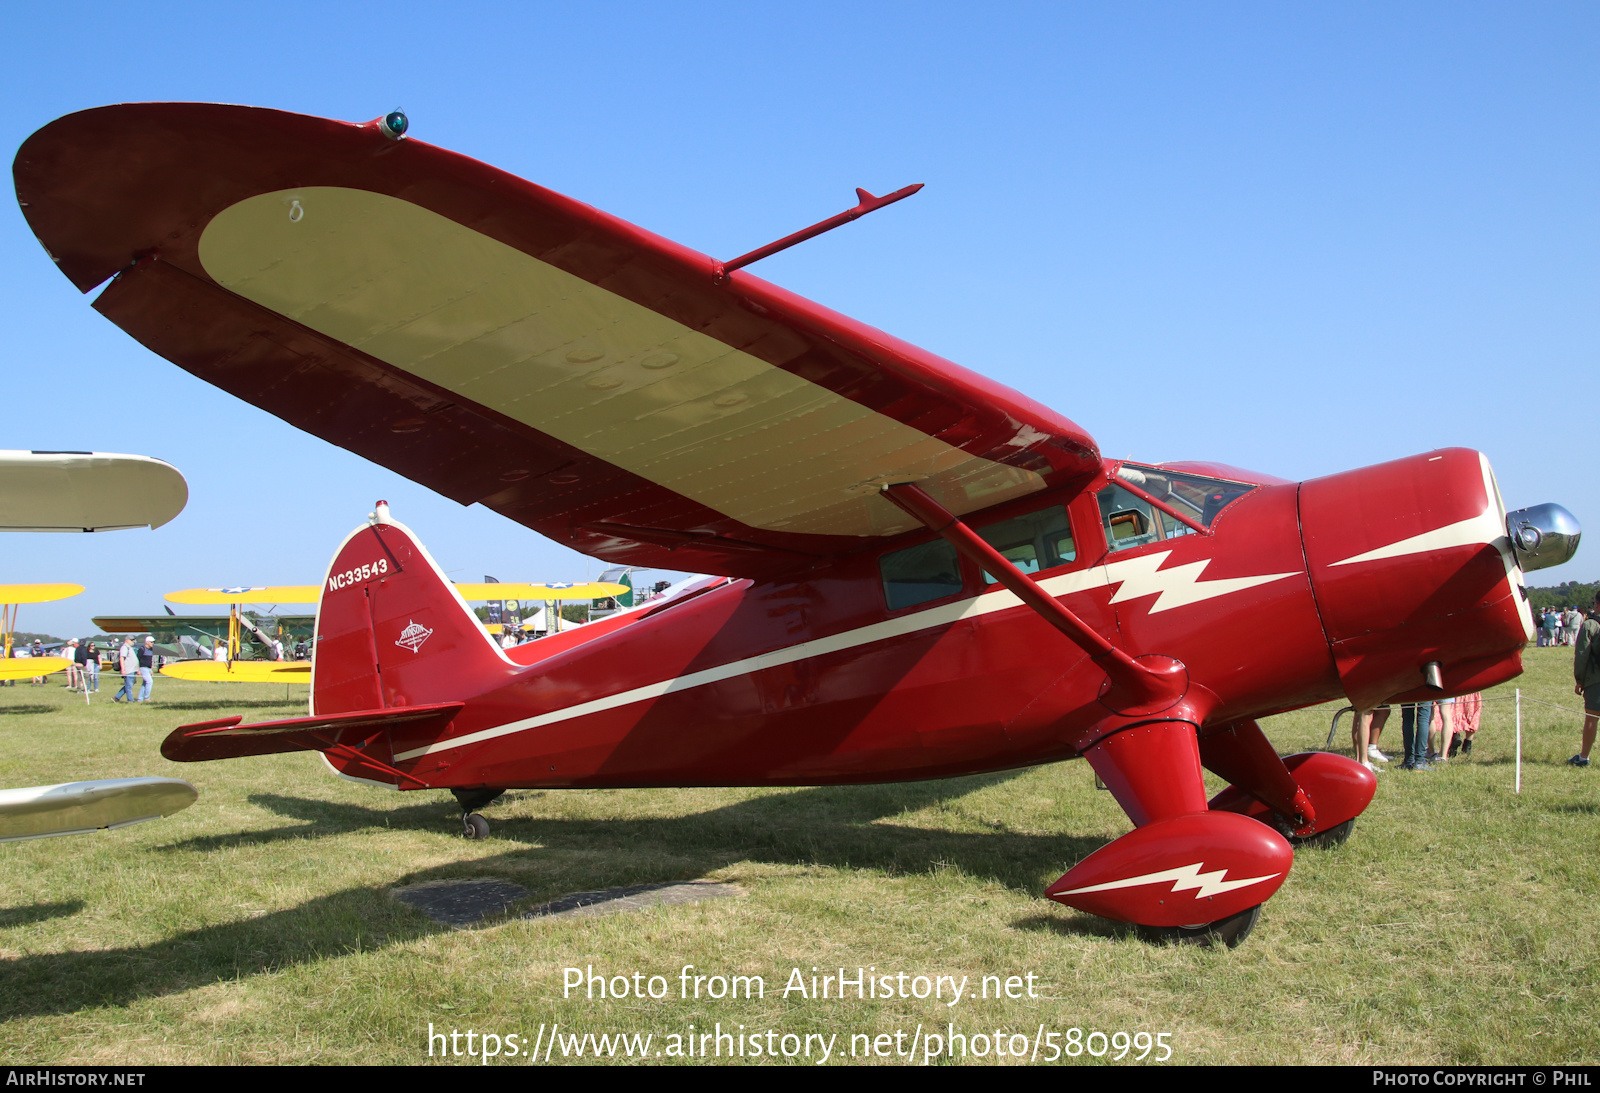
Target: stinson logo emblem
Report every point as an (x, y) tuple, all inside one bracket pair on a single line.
[(413, 636)]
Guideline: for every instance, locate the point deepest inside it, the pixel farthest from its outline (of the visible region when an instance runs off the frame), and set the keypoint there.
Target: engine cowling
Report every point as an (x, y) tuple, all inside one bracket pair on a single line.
[(1411, 566)]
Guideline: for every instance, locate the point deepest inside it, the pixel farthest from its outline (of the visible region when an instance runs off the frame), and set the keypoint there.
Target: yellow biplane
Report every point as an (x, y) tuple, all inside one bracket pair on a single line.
[(232, 668), (13, 596)]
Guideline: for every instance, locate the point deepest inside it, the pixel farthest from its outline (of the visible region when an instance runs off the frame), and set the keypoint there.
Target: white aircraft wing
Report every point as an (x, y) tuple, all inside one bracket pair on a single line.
[(87, 491), (39, 812)]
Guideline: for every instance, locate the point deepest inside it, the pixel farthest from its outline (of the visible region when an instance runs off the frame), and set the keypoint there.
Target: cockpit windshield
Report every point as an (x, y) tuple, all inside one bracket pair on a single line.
[(1131, 521), (1192, 495)]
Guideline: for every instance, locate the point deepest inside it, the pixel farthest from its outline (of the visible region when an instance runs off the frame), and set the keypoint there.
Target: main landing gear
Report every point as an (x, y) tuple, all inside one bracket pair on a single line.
[(473, 825), (1324, 840), (1230, 931), (1198, 871)]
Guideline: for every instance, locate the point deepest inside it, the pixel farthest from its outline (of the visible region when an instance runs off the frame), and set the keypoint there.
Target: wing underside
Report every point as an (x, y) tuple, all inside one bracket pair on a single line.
[(503, 344)]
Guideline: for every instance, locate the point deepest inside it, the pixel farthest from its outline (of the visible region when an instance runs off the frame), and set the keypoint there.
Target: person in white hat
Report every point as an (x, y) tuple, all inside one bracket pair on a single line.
[(70, 651)]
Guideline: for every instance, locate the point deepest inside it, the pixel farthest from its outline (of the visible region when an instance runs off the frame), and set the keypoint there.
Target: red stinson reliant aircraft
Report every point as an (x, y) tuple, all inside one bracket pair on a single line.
[(918, 573)]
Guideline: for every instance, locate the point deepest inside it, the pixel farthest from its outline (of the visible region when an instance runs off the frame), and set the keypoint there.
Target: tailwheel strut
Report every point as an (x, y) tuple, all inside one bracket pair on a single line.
[(473, 825)]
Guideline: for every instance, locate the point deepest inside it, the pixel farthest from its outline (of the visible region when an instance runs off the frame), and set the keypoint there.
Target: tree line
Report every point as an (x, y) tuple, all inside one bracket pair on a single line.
[(1562, 595)]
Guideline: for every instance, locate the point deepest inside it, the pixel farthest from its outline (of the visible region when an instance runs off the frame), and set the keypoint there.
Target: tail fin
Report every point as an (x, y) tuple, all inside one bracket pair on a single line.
[(392, 631)]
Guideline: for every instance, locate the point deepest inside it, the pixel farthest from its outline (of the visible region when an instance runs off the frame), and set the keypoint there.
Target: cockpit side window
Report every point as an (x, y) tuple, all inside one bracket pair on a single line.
[(1130, 521), (1039, 540)]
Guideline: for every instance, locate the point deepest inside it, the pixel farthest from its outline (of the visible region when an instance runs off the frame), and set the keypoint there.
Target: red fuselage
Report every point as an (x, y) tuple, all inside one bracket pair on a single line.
[(816, 680)]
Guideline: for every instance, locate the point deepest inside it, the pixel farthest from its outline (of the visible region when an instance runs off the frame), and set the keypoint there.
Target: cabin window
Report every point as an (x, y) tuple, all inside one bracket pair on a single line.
[(1039, 540), (919, 574)]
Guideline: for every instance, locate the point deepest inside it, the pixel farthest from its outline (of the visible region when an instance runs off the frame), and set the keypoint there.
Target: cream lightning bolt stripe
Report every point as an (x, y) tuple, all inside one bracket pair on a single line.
[(1183, 878), (1179, 586), (1478, 530), (1488, 528), (1140, 576)]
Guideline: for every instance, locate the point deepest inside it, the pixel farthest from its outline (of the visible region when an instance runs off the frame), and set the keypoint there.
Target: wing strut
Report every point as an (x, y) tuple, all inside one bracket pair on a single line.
[(1137, 686), (867, 204)]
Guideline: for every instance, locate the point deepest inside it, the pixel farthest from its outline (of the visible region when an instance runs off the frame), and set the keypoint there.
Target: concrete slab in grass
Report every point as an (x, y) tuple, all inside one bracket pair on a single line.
[(461, 903), (635, 897)]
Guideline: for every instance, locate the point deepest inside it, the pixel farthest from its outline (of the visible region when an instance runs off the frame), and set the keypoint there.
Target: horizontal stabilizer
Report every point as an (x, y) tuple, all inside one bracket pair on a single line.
[(227, 739), (38, 812)]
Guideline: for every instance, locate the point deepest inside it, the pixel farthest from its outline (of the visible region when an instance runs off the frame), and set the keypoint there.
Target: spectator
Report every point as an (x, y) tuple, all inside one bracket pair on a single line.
[(1444, 716), (89, 664), (1469, 712), (147, 666), (1364, 736), (1586, 671), (23, 652), (128, 669), (1571, 623), (1414, 721)]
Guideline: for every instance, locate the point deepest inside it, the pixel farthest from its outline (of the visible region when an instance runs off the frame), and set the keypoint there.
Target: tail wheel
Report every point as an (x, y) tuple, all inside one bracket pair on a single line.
[(1335, 835), (1230, 931), (476, 826)]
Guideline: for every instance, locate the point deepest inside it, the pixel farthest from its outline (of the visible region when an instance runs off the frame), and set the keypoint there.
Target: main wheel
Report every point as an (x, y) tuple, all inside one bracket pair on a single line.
[(1335, 835), (476, 826), (1230, 931)]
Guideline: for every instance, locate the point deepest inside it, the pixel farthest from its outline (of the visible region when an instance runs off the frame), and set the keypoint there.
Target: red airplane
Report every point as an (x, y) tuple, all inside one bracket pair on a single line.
[(919, 573)]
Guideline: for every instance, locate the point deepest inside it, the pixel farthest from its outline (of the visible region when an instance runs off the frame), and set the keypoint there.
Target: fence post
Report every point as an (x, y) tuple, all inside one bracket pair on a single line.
[(1519, 740)]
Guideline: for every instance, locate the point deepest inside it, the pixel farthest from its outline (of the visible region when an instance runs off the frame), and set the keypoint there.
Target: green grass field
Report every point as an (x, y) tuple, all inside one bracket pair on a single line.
[(1459, 924)]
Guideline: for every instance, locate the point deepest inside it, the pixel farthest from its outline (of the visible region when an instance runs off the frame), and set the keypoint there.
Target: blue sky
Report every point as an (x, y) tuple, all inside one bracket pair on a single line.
[(1297, 238)]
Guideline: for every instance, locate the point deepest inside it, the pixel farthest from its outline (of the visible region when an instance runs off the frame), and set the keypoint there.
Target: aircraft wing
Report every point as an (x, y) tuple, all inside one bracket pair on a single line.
[(503, 344), (592, 590), (13, 668), (282, 593), (37, 593), (241, 671), (212, 626), (87, 491), (38, 812)]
